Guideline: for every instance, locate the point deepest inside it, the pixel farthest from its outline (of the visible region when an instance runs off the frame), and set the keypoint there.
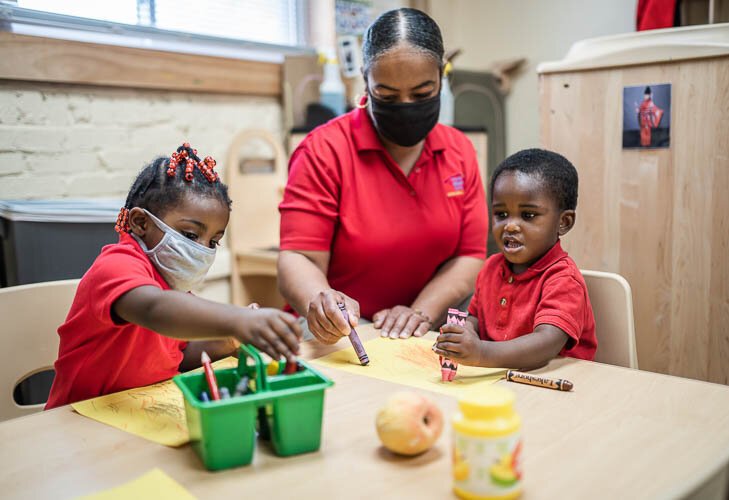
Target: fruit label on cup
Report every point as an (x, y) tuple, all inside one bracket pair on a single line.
[(486, 467)]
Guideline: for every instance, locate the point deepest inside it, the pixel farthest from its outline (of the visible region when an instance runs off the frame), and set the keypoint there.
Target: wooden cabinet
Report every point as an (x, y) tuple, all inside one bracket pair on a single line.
[(658, 217)]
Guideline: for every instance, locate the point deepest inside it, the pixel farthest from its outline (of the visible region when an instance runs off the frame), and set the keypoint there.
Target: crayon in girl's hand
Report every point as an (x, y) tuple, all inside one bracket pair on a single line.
[(364, 360), (210, 376)]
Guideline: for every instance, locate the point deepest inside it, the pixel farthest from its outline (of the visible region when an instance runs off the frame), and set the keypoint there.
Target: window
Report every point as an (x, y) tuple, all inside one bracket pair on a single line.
[(257, 24)]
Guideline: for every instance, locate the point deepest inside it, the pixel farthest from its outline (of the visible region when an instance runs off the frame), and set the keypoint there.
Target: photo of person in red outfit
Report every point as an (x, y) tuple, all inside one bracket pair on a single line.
[(649, 116), (646, 116)]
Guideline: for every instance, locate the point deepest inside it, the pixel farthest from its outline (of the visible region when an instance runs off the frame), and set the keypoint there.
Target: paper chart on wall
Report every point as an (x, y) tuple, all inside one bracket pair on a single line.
[(410, 362), (155, 412)]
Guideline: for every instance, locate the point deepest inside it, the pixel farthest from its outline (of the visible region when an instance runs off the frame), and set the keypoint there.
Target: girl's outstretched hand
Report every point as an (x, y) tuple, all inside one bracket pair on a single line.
[(274, 332)]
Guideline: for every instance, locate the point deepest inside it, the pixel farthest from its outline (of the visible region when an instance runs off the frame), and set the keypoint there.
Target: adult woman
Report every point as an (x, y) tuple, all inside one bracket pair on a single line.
[(384, 209)]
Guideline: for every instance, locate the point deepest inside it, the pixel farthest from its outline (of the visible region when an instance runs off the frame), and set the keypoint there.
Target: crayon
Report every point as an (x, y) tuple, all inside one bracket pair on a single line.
[(364, 360), (242, 387), (291, 367), (445, 370), (210, 376), (549, 383), (224, 393), (272, 368), (449, 368), (204, 397)]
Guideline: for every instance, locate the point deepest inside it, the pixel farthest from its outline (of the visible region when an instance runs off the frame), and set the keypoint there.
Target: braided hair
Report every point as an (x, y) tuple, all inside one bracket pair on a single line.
[(395, 27), (165, 181)]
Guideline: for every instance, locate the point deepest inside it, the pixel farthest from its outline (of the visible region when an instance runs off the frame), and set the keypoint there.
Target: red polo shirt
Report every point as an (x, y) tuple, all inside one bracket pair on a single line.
[(551, 292), (387, 233), (98, 356)]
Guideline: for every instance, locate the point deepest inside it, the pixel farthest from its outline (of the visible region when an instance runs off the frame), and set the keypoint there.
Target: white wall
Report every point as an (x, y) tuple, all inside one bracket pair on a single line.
[(540, 30), (60, 141)]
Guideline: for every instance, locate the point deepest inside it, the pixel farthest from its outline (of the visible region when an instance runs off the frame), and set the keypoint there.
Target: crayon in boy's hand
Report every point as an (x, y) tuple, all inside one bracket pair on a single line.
[(448, 367), (210, 376), (364, 360), (445, 369)]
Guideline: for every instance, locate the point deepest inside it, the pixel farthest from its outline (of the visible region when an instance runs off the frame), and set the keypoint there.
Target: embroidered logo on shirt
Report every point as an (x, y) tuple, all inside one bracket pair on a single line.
[(454, 186)]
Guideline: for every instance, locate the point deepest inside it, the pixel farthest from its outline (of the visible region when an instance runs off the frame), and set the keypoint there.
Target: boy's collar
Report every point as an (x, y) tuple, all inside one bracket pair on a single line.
[(555, 254)]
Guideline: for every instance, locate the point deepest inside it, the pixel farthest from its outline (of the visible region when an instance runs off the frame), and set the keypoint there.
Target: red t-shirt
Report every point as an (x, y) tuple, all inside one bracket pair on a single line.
[(387, 233), (98, 356), (551, 292)]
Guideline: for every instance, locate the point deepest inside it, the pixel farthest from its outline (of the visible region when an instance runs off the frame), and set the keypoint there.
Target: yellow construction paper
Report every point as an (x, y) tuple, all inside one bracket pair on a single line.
[(411, 362), (155, 412), (154, 484)]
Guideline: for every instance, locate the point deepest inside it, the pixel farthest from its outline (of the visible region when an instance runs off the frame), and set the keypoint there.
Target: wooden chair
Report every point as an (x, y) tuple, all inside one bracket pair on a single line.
[(612, 304), (30, 314), (253, 230)]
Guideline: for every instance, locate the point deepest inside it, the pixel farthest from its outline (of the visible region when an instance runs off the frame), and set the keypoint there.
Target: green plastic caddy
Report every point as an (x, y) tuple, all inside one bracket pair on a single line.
[(287, 409)]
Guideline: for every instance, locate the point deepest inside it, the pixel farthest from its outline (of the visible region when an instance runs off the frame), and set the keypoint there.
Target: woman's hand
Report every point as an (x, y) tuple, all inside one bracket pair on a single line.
[(326, 320), (460, 343), (402, 322)]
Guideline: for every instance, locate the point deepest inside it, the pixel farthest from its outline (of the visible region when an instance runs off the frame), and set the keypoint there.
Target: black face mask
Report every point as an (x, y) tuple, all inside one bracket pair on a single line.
[(405, 124)]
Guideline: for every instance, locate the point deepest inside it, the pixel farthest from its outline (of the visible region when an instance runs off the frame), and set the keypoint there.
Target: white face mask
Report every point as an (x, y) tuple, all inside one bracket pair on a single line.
[(181, 262)]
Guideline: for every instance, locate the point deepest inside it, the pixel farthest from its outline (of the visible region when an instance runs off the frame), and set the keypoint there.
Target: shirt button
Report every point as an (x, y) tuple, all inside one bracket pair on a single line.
[(511, 279), (417, 170), (503, 302)]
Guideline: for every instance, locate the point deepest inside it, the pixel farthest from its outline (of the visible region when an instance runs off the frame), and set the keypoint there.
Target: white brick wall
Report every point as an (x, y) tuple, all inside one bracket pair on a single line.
[(59, 141), (67, 141)]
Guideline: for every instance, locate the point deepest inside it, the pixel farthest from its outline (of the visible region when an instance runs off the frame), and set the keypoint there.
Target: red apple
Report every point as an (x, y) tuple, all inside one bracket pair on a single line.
[(409, 423)]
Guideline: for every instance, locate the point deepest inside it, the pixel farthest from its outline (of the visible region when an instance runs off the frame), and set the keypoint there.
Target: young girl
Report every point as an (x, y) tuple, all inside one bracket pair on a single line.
[(132, 322)]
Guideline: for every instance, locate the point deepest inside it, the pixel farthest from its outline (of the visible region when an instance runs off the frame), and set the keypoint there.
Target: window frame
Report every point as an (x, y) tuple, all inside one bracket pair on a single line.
[(30, 42)]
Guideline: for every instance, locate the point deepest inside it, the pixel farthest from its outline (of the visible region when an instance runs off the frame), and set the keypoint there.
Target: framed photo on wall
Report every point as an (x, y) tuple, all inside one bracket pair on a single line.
[(647, 116)]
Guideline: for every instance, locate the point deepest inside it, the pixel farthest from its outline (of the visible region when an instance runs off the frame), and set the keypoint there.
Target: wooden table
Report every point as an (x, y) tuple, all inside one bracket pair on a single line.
[(619, 434)]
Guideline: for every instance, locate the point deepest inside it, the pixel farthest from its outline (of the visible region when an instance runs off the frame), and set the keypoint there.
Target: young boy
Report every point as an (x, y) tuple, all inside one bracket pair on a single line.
[(530, 302)]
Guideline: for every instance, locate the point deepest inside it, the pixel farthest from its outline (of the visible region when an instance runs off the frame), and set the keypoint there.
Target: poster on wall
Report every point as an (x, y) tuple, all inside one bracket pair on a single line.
[(647, 116)]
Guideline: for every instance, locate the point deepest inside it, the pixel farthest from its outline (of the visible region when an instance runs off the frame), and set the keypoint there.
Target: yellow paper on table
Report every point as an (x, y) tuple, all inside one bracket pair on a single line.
[(155, 412), (411, 362), (154, 484)]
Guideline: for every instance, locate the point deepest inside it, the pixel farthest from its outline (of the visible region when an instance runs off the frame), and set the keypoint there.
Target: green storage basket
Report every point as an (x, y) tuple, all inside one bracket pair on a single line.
[(287, 409)]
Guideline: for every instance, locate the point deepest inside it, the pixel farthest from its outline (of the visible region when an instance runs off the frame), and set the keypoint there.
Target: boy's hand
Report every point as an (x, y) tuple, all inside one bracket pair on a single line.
[(460, 344), (272, 331)]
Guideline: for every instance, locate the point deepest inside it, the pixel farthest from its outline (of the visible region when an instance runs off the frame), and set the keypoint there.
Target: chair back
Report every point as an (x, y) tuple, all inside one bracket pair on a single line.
[(612, 304), (254, 219), (253, 230), (29, 318)]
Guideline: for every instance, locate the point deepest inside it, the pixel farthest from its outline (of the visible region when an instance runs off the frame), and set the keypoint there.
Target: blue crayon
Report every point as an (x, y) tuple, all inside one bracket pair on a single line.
[(204, 397), (224, 393), (242, 387)]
